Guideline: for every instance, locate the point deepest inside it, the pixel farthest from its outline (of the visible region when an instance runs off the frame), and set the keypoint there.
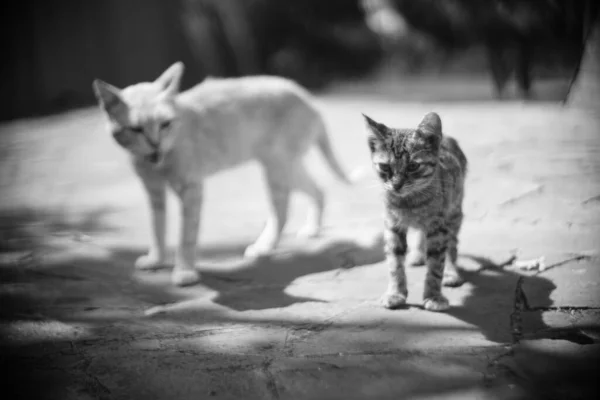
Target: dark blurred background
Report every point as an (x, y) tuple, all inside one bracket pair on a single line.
[(54, 49)]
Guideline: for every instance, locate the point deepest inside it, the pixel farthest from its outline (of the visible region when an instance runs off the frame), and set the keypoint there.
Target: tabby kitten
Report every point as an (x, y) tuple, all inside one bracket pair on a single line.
[(423, 175)]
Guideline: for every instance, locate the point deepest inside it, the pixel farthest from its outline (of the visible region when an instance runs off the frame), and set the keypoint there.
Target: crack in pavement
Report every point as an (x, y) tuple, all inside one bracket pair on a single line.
[(307, 330), (563, 308), (578, 335), (515, 199), (271, 383), (465, 350), (79, 370), (575, 257), (95, 385), (495, 370), (520, 304)]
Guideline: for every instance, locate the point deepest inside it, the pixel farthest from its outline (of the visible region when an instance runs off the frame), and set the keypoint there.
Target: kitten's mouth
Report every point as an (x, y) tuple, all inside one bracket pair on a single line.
[(399, 192), (395, 188)]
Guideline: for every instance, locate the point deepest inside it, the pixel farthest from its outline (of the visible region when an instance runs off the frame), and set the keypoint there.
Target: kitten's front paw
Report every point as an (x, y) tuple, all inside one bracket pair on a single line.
[(256, 251), (149, 261), (453, 279), (393, 300), (437, 303), (184, 277)]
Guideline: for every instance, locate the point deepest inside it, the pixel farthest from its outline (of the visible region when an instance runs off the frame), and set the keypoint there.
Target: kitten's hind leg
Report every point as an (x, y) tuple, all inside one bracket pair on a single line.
[(395, 251), (437, 237), (278, 177), (417, 247), (452, 277), (305, 183)]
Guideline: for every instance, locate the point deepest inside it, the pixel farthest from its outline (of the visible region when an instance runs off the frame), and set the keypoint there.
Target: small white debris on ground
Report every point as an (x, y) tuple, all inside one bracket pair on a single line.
[(533, 264)]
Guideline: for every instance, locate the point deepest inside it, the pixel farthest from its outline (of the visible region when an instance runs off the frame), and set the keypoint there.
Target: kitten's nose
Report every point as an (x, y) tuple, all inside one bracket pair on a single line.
[(397, 184)]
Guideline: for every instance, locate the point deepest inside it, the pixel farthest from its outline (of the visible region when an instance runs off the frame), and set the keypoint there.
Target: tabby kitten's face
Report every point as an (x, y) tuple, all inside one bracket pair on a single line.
[(142, 117), (405, 159)]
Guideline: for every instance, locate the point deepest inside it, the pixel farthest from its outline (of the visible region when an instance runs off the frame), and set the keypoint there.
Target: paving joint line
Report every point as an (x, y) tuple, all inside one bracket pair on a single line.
[(271, 383), (520, 304), (563, 308)]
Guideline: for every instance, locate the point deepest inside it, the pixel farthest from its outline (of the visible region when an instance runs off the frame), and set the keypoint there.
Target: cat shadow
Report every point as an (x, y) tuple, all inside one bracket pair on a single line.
[(494, 300), (244, 284), (229, 280), (261, 283)]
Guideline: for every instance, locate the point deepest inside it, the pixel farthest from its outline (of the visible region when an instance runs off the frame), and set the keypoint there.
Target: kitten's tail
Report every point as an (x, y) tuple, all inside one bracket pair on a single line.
[(324, 145)]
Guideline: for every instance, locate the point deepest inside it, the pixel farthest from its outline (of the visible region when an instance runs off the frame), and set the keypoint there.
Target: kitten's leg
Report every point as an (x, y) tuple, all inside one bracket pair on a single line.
[(184, 272), (417, 241), (395, 251), (304, 182), (452, 277), (156, 192), (278, 182), (437, 238)]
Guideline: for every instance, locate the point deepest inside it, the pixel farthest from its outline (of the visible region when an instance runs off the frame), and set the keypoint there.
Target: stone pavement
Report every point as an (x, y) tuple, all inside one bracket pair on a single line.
[(78, 322)]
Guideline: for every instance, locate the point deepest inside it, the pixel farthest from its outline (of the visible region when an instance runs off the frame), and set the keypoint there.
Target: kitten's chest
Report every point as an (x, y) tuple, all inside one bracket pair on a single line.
[(418, 216), (407, 217)]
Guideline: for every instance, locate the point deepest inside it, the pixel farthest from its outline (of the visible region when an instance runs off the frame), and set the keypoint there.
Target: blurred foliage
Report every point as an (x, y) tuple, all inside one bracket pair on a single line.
[(524, 39), (555, 27), (311, 41), (316, 41)]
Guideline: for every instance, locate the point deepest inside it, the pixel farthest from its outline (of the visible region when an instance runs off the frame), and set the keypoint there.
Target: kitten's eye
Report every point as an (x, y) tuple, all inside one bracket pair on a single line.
[(385, 168), (136, 129), (165, 125), (413, 167)]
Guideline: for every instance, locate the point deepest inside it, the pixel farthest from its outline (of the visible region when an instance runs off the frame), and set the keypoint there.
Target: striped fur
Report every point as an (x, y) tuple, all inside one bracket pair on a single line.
[(423, 174), (178, 139)]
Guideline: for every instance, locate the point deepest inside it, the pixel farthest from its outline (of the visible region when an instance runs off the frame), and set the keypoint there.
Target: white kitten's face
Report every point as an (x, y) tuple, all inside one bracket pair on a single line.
[(142, 117)]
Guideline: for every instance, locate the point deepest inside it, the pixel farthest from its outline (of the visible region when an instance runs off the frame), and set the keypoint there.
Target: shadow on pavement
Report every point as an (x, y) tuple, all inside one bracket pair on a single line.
[(72, 315), (494, 290), (260, 284), (81, 275), (24, 228), (29, 240)]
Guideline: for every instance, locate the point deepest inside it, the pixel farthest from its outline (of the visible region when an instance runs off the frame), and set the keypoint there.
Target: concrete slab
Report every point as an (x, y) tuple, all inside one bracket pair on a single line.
[(574, 325), (577, 285), (160, 375), (305, 322), (416, 376), (557, 368)]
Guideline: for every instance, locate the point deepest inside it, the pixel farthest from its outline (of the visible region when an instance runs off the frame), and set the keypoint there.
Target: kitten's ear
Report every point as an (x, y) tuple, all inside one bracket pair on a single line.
[(170, 80), (108, 96), (431, 126), (379, 130)]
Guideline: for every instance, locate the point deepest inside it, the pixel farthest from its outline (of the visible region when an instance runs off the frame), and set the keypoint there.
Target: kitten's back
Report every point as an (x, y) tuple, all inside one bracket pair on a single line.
[(220, 91), (451, 149)]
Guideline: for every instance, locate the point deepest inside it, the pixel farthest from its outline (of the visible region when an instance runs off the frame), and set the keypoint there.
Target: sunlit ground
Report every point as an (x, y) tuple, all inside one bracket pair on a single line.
[(305, 323)]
